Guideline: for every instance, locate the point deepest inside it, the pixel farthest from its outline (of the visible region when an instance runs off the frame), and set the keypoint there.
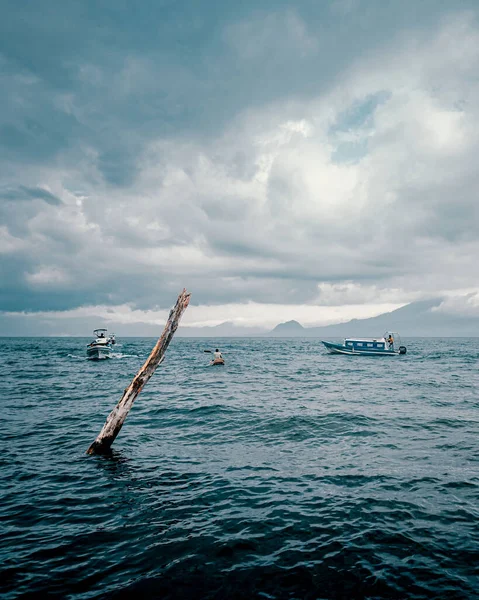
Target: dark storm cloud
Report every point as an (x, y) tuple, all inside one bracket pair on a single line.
[(113, 75), (247, 151), (29, 193)]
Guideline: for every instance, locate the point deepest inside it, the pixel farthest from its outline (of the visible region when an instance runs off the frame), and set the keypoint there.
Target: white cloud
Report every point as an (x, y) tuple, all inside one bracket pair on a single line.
[(9, 243), (464, 306), (351, 293), (268, 211)]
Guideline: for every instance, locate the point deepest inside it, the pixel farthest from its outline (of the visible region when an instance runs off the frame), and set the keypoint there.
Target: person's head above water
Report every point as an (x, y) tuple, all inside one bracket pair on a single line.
[(216, 350)]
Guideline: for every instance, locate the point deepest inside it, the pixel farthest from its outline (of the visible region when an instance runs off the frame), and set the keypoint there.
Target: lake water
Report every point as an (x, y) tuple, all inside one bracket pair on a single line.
[(288, 473)]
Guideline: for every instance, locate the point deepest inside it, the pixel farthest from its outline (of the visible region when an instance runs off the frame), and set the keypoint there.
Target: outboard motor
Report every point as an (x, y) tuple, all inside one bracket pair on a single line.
[(402, 349)]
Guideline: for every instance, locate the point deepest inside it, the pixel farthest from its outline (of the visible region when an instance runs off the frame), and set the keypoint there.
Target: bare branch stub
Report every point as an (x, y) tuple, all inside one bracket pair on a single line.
[(115, 420)]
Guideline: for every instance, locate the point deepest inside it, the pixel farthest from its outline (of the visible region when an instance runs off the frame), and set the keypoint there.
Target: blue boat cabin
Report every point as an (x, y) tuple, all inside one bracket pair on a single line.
[(369, 345)]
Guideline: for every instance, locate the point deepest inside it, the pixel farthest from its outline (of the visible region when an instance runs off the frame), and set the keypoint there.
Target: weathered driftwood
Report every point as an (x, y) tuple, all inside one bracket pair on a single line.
[(116, 418)]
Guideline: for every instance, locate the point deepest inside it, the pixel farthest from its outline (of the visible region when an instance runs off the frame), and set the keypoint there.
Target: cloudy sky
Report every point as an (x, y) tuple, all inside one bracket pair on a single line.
[(308, 160)]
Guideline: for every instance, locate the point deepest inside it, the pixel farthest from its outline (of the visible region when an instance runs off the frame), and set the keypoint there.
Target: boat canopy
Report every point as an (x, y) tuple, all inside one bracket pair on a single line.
[(395, 335), (363, 339), (98, 331)]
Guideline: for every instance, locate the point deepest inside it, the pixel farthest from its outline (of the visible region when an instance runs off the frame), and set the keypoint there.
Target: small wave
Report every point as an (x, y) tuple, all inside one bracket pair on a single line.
[(323, 478)]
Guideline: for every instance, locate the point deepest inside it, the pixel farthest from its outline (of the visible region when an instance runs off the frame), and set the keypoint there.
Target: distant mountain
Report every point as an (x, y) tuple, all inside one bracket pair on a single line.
[(413, 320), (288, 329)]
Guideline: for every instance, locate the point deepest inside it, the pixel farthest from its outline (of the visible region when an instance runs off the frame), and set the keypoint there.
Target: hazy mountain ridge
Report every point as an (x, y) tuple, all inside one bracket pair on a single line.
[(414, 319)]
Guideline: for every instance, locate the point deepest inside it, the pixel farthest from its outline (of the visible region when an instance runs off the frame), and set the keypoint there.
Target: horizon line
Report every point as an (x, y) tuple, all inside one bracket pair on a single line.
[(238, 337)]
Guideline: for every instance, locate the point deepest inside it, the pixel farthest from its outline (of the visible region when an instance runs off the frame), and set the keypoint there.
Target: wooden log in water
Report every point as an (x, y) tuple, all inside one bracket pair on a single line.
[(115, 420)]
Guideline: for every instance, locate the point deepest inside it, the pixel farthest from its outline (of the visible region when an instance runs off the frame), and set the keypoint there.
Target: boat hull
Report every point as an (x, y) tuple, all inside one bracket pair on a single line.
[(217, 362), (342, 349), (98, 352)]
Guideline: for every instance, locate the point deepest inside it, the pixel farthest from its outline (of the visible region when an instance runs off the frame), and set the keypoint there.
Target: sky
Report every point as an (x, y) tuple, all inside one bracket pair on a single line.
[(312, 160)]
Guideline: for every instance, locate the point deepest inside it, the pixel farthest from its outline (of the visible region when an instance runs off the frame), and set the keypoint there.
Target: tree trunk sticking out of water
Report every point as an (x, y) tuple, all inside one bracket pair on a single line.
[(116, 418)]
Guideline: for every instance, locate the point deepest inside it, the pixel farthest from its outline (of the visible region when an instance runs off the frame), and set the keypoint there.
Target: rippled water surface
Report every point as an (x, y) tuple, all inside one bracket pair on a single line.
[(288, 473)]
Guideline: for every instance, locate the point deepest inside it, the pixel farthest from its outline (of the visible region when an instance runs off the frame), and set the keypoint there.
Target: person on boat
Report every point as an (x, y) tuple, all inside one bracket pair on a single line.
[(217, 355), (390, 341)]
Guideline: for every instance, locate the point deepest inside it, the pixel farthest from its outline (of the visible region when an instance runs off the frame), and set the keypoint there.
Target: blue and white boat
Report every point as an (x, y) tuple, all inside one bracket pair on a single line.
[(387, 345), (100, 348)]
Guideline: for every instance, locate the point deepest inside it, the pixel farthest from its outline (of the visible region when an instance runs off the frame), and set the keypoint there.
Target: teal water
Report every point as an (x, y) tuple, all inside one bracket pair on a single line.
[(288, 473)]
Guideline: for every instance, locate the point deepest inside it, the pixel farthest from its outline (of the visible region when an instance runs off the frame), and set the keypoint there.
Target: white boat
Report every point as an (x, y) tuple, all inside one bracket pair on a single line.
[(387, 345), (100, 348)]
